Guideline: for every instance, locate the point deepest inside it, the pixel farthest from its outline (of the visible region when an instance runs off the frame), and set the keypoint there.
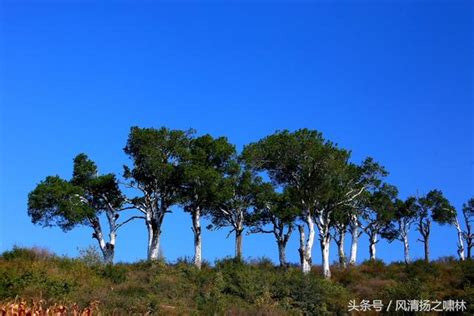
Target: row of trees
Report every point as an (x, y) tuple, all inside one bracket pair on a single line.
[(288, 182)]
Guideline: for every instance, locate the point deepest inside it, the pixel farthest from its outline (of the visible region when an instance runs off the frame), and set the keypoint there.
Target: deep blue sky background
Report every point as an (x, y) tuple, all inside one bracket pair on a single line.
[(389, 79)]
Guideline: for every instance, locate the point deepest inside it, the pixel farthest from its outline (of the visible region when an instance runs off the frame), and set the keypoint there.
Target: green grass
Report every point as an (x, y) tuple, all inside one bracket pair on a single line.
[(229, 287)]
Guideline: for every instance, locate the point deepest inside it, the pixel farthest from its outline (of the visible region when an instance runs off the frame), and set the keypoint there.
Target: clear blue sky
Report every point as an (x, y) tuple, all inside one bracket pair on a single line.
[(389, 79)]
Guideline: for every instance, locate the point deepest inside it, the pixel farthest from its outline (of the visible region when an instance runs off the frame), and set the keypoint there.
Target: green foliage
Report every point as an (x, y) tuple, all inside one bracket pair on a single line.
[(231, 286), (58, 202), (64, 203), (436, 206), (205, 164), (155, 154), (468, 208), (91, 256), (116, 274)]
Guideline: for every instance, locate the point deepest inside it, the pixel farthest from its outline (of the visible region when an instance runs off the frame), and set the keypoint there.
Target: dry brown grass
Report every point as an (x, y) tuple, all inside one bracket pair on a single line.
[(21, 307)]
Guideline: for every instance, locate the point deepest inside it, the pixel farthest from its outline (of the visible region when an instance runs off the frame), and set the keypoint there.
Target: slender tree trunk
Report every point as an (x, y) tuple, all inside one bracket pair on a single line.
[(107, 248), (426, 247), (354, 242), (424, 229), (282, 240), (302, 247), (372, 248), (404, 227), (325, 240), (238, 243), (110, 246), (406, 249), (282, 253), (325, 243), (460, 240), (340, 241), (153, 244), (196, 216), (306, 247), (468, 234), (154, 233)]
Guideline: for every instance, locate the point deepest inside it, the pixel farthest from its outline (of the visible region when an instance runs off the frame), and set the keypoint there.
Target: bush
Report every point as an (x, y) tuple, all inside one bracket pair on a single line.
[(115, 273), (232, 286), (91, 256)]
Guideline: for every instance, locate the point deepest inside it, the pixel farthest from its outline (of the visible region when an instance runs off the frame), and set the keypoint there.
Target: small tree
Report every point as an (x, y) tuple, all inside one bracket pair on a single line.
[(274, 213), (370, 175), (231, 207), (157, 175), (294, 161), (399, 229), (341, 218), (379, 212), (432, 207), (468, 234), (80, 201), (204, 167)]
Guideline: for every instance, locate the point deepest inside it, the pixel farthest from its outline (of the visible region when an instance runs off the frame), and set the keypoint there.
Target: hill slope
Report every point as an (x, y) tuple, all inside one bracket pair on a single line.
[(229, 287)]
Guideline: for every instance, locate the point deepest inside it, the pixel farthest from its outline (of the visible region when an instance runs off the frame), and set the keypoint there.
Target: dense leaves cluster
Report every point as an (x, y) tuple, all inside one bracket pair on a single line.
[(290, 181)]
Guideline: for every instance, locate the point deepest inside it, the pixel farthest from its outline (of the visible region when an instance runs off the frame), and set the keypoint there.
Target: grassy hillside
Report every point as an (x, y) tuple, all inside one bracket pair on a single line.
[(228, 287)]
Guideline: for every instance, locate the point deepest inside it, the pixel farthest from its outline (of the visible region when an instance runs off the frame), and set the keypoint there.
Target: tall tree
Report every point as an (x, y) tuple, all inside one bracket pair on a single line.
[(378, 214), (460, 232), (432, 207), (81, 201), (318, 176), (468, 214), (274, 213), (293, 161), (205, 164), (356, 232), (341, 218), (233, 202), (157, 175), (399, 228), (371, 175)]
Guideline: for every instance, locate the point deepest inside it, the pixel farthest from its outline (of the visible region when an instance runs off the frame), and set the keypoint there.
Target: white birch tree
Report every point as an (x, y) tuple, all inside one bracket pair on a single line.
[(274, 214), (433, 207), (319, 178), (156, 175), (231, 208), (81, 201), (468, 233), (205, 164), (399, 228)]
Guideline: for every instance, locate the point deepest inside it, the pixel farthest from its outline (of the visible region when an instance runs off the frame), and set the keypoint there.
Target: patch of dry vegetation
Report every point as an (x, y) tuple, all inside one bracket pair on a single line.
[(230, 287)]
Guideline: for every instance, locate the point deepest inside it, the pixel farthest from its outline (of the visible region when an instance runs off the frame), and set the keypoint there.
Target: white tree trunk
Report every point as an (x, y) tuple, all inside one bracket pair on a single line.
[(325, 243), (340, 245), (106, 248), (110, 246), (404, 227), (354, 242), (154, 248), (323, 222), (301, 250), (154, 231), (309, 244), (460, 240), (406, 248), (372, 250), (281, 253), (306, 246), (239, 229), (196, 215)]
